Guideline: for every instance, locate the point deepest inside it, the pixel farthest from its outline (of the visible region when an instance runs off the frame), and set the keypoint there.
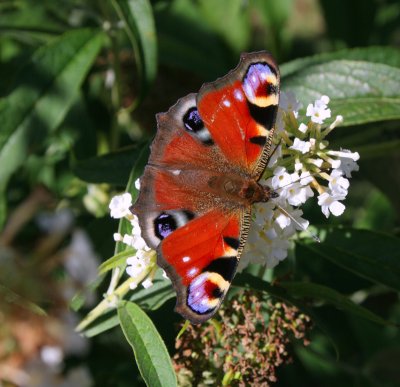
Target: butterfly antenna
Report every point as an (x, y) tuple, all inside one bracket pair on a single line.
[(272, 153), (313, 236)]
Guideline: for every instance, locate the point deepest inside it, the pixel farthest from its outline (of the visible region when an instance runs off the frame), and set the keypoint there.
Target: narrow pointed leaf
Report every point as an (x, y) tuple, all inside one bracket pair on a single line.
[(151, 355), (115, 261)]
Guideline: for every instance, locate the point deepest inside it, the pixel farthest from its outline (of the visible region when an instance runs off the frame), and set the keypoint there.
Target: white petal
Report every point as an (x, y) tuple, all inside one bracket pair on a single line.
[(147, 283), (337, 208), (303, 128)]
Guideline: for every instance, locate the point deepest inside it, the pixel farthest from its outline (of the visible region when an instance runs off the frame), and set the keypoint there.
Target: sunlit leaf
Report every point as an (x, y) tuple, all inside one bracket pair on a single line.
[(385, 55), (115, 261), (155, 296), (360, 91), (150, 352)]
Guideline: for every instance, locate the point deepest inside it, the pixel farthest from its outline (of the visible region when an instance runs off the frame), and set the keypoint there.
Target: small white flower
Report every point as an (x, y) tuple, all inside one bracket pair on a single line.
[(316, 162), (147, 283), (135, 239), (298, 166), (345, 153), (301, 146), (338, 184), (330, 204), (281, 178), (347, 161), (306, 178), (319, 112), (338, 121), (118, 237), (300, 223), (279, 251), (303, 128), (282, 220), (296, 193), (263, 212), (139, 263), (335, 164), (120, 204)]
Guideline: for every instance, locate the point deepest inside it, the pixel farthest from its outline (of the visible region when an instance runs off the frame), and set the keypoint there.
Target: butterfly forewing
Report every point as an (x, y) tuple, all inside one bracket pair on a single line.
[(239, 111)]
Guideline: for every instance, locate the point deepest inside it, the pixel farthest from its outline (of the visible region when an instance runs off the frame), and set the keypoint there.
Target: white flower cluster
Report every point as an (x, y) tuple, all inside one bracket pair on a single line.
[(298, 167), (142, 263)]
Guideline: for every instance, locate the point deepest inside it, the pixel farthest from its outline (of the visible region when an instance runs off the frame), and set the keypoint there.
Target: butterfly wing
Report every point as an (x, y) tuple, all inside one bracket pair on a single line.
[(199, 232), (240, 109), (201, 259)]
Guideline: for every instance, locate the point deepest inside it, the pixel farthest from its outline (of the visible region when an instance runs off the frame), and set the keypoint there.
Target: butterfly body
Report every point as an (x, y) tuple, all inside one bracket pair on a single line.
[(208, 155)]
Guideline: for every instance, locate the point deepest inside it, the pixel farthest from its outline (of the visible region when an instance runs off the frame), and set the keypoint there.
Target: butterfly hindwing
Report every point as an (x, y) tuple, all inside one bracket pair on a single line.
[(201, 259), (189, 207)]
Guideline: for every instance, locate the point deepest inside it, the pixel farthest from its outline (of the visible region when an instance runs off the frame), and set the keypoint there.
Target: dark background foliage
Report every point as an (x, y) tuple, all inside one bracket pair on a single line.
[(79, 93)]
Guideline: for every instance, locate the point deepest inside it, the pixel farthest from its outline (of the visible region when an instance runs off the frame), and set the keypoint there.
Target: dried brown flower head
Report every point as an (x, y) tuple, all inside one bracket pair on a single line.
[(243, 348)]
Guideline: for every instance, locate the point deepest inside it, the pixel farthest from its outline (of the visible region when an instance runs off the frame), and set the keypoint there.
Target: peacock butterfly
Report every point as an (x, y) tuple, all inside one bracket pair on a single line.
[(201, 179)]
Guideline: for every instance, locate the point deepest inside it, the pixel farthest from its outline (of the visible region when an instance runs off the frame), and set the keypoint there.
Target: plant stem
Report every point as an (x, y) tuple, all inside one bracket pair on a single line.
[(111, 300)]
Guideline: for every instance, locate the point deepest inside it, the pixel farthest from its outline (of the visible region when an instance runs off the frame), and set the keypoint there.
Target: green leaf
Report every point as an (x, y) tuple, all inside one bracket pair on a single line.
[(331, 296), (112, 168), (369, 254), (361, 92), (102, 324), (385, 55), (140, 27), (370, 109), (151, 355), (152, 298), (3, 208), (47, 86), (115, 261)]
